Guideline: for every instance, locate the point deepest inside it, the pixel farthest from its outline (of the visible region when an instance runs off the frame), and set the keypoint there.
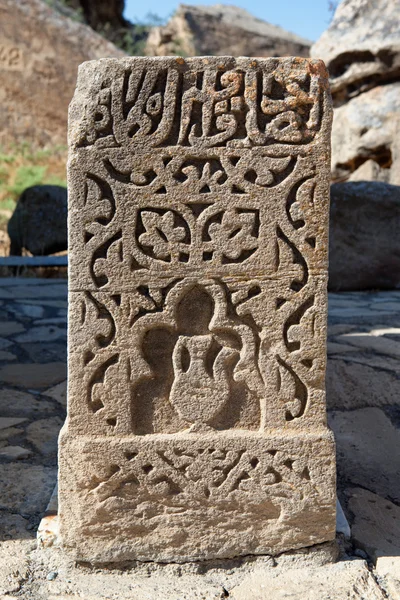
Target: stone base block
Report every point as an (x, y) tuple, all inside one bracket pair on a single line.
[(195, 496)]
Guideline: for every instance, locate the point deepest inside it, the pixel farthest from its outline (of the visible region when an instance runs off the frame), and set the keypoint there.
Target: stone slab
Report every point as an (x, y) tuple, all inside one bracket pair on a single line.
[(14, 403), (43, 435), (335, 582), (274, 492), (16, 544), (15, 453), (30, 375), (366, 440), (376, 525), (58, 393), (388, 568), (25, 489), (198, 238), (351, 385)]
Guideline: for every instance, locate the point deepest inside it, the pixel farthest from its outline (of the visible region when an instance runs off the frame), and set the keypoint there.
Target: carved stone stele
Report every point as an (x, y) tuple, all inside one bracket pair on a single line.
[(198, 220)]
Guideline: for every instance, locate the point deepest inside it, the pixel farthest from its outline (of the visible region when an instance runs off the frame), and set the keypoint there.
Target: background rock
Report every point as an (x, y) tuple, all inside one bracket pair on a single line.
[(365, 136), (364, 250), (39, 222), (361, 47), (40, 54), (222, 30)]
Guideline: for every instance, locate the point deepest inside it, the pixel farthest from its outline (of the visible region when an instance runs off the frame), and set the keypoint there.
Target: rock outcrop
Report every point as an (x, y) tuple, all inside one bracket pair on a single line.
[(361, 49), (40, 51), (365, 136), (222, 30), (364, 247)]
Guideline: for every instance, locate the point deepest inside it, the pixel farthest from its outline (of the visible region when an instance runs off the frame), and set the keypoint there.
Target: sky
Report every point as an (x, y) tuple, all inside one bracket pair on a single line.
[(308, 18)]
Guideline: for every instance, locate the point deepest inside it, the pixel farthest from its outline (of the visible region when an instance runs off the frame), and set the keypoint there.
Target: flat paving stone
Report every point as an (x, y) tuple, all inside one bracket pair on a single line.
[(336, 348), (26, 489), (332, 582), (14, 403), (10, 327), (16, 544), (49, 303), (33, 311), (15, 452), (388, 568), (4, 343), (43, 434), (60, 321), (6, 422), (58, 393), (385, 363), (33, 375), (6, 282), (7, 434), (46, 352), (46, 333), (6, 356), (35, 291), (355, 384), (376, 525), (367, 446), (380, 345)]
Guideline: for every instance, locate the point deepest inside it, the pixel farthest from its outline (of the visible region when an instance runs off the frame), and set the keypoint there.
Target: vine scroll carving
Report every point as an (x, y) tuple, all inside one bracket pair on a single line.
[(198, 217)]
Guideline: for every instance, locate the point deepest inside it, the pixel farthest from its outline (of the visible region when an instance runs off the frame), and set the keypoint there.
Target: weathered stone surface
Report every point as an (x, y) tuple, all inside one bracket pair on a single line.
[(46, 333), (15, 452), (376, 526), (33, 375), (351, 385), (388, 568), (366, 129), (361, 47), (26, 489), (59, 393), (39, 57), (10, 327), (15, 543), (366, 439), (198, 257), (43, 434), (151, 581), (4, 355), (222, 30), (364, 248), (6, 422), (333, 582), (39, 221)]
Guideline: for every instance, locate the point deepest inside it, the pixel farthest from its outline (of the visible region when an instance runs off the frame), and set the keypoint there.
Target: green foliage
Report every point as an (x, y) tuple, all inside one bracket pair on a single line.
[(68, 9), (26, 176), (177, 48), (22, 166)]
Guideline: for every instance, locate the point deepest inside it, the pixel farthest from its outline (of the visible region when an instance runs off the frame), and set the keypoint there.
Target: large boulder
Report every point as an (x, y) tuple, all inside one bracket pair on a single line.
[(364, 246), (222, 30), (361, 47), (39, 222), (367, 128), (40, 51)]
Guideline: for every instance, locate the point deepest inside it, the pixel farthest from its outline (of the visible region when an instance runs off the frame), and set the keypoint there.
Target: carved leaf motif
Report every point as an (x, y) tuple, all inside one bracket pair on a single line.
[(234, 234), (161, 234)]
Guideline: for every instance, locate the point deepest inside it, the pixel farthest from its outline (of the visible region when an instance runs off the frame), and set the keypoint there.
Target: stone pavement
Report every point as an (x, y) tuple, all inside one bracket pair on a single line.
[(363, 385)]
